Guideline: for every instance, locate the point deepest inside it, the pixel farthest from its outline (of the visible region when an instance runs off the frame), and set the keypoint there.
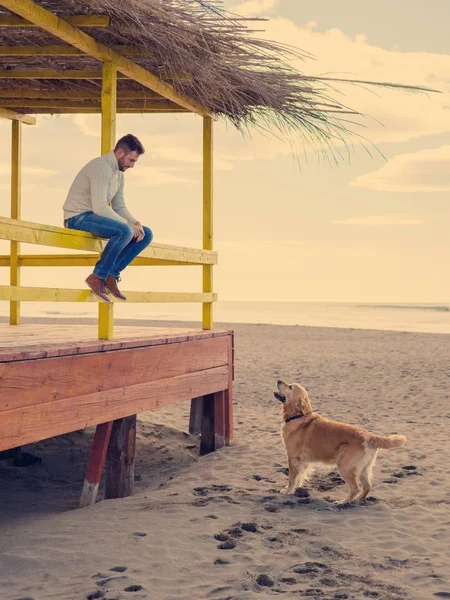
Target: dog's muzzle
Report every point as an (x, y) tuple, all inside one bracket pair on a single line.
[(279, 396)]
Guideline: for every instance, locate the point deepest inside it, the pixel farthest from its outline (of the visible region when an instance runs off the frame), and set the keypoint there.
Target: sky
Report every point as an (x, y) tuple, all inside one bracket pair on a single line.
[(373, 228)]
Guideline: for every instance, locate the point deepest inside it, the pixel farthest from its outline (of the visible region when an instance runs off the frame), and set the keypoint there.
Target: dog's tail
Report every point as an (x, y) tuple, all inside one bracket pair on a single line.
[(388, 442)]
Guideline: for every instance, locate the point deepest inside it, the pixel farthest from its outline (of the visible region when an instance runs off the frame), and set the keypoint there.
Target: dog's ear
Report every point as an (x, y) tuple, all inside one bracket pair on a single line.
[(279, 397)]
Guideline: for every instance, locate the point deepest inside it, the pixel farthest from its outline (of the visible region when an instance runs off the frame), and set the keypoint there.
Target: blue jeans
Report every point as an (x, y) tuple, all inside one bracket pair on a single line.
[(121, 249)]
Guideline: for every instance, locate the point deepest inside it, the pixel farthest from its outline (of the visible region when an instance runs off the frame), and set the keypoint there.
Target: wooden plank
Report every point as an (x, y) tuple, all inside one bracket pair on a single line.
[(49, 235), (5, 113), (120, 459), (75, 94), (64, 31), (63, 50), (96, 462), (195, 416), (207, 438), (207, 271), (83, 260), (31, 342), (16, 201), (35, 294), (136, 104), (76, 20), (54, 74), (48, 379), (40, 421)]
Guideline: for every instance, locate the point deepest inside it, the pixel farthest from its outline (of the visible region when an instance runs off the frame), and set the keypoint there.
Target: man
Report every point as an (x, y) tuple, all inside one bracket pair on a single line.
[(96, 203)]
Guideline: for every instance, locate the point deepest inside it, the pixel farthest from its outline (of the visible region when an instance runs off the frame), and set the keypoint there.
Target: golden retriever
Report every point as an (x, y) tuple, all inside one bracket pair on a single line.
[(309, 438)]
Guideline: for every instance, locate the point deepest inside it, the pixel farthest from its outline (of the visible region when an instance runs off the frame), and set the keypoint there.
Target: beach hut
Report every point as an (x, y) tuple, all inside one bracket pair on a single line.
[(142, 56)]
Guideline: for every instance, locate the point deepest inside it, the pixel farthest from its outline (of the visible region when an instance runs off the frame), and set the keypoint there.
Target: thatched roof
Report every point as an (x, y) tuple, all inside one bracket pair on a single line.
[(206, 53)]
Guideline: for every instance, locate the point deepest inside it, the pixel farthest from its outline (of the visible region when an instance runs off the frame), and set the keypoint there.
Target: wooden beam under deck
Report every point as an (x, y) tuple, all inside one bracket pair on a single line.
[(76, 94)]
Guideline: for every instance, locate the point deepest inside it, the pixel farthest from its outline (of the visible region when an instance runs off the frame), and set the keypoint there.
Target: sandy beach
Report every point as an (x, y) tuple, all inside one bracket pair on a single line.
[(216, 526)]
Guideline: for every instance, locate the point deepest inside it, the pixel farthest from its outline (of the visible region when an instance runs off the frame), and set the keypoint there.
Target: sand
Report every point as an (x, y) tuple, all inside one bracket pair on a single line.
[(216, 526)]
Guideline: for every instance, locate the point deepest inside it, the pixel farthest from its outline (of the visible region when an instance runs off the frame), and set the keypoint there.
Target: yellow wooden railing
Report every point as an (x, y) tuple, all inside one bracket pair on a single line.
[(16, 231)]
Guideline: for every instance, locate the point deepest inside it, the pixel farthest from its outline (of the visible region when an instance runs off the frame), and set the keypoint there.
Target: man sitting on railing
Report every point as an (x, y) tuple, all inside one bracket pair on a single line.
[(96, 203)]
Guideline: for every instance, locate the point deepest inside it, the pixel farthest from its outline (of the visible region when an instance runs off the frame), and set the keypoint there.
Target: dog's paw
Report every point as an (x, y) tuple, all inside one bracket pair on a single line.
[(286, 491)]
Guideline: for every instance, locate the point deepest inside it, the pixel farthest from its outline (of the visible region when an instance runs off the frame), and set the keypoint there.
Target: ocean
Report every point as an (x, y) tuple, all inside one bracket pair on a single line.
[(431, 318)]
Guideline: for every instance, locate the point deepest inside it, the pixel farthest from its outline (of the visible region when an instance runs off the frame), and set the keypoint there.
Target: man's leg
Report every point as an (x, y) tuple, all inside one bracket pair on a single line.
[(120, 234), (128, 254)]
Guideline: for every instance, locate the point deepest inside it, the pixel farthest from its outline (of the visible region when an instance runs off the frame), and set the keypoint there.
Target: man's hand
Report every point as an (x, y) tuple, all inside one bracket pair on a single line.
[(138, 231)]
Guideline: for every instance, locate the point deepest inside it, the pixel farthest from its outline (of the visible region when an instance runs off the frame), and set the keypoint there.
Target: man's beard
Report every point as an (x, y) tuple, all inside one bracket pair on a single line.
[(121, 164)]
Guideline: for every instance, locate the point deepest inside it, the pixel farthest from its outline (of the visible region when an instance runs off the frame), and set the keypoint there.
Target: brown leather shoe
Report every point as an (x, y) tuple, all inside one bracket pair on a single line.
[(97, 285), (111, 285)]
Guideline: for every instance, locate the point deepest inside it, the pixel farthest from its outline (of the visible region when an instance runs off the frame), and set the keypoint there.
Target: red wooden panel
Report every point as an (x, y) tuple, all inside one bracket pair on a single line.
[(44, 380), (33, 423)]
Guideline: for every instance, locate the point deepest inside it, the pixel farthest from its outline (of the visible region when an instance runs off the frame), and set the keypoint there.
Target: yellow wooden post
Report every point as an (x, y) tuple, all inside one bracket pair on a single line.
[(109, 104), (16, 158), (207, 316)]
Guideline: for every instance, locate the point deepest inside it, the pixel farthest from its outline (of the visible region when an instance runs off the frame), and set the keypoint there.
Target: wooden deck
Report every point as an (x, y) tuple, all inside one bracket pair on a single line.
[(55, 379)]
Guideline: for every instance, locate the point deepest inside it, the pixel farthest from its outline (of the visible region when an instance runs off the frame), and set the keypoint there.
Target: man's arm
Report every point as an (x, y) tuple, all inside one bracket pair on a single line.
[(99, 179), (119, 206)]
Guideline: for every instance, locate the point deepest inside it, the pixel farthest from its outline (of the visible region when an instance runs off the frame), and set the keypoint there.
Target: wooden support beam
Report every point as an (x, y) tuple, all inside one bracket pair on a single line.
[(88, 74), (41, 294), (95, 466), (76, 94), (207, 309), (120, 459), (141, 105), (62, 50), (195, 416), (75, 20), (108, 140), (16, 180), (63, 30), (53, 74), (13, 116)]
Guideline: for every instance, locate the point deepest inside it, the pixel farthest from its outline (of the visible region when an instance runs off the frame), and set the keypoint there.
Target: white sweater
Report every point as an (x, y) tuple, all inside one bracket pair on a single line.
[(98, 187)]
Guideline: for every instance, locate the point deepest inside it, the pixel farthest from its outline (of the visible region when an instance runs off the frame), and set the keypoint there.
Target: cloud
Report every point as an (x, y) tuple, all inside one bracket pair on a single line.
[(257, 8), (391, 219), (149, 176), (424, 171)]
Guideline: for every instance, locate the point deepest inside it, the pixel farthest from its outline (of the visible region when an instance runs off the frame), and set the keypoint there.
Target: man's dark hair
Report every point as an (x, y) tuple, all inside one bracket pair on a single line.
[(130, 143)]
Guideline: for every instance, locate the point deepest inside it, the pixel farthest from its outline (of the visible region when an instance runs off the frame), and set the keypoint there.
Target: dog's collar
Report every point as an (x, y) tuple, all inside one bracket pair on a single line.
[(294, 417)]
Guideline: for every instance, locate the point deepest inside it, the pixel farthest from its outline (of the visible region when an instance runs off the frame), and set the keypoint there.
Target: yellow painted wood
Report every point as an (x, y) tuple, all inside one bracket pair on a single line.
[(78, 94), (105, 321), (16, 172), (76, 74), (207, 308), (53, 74), (73, 36), (49, 235), (108, 140), (83, 260), (95, 111), (48, 103), (13, 116), (62, 50), (76, 20), (38, 294)]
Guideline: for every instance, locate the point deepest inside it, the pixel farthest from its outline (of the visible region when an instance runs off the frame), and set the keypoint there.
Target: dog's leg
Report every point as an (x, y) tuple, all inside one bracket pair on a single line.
[(366, 477), (349, 472), (297, 472)]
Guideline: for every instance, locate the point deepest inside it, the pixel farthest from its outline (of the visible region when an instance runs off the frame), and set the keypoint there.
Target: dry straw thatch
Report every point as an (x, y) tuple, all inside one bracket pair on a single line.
[(240, 76)]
